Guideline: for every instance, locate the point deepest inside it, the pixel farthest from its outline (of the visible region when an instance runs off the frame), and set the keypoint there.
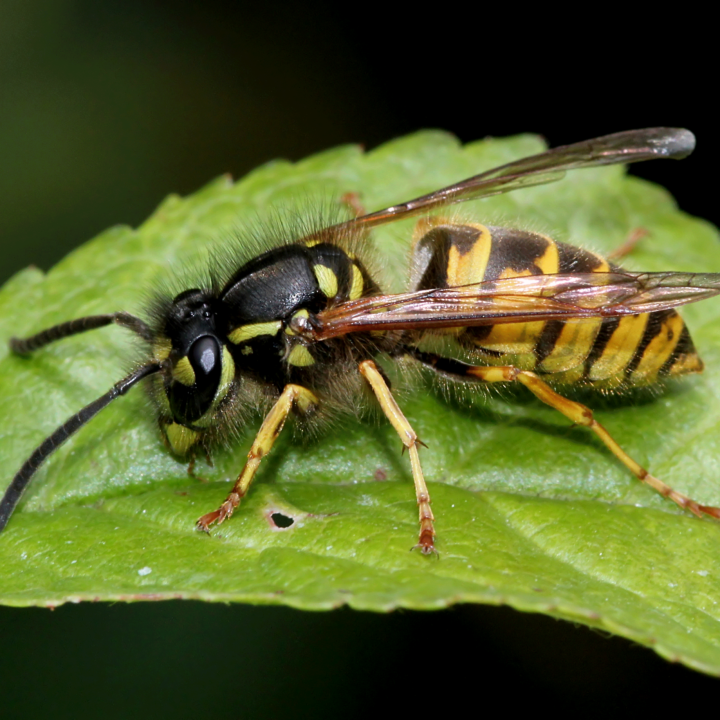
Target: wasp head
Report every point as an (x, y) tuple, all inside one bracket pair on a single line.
[(198, 371)]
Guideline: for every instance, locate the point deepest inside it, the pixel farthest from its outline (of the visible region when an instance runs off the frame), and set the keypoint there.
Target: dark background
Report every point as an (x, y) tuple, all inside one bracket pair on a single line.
[(105, 107)]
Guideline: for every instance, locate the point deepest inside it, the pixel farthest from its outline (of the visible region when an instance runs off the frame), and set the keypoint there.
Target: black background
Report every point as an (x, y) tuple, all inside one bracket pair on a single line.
[(105, 107)]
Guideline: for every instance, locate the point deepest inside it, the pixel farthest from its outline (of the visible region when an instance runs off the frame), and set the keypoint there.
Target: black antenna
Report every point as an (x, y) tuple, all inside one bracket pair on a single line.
[(24, 346), (49, 445)]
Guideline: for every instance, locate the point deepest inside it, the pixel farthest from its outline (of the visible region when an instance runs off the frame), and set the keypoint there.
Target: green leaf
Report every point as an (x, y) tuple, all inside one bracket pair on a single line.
[(530, 512)]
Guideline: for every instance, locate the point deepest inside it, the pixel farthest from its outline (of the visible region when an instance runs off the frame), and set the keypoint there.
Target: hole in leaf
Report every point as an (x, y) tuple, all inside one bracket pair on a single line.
[(281, 521)]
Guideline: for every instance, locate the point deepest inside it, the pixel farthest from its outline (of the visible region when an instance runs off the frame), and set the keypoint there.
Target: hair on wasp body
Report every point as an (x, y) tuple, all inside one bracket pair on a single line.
[(299, 325), (263, 272)]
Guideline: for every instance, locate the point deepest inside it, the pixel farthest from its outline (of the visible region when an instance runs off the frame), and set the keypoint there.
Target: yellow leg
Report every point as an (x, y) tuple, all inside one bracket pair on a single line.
[(262, 445), (582, 415), (369, 370)]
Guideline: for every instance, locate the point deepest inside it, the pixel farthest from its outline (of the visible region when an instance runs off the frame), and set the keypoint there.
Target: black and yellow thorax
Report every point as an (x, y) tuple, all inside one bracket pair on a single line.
[(279, 291)]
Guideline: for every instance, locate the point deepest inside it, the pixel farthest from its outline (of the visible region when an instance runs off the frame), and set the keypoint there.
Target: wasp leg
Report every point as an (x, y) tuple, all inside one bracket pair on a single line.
[(191, 469), (262, 445), (629, 245), (369, 370), (194, 459), (579, 414), (352, 201)]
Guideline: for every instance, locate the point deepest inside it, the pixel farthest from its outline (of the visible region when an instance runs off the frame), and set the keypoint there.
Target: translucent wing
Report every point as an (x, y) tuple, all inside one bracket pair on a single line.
[(623, 147), (511, 300)]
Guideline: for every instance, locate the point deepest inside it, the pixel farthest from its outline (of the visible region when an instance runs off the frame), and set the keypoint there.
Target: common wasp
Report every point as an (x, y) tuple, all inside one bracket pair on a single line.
[(301, 328)]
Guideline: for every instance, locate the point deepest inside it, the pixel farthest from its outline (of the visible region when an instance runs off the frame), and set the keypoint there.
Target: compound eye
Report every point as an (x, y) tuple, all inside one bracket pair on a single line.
[(197, 379), (205, 358)]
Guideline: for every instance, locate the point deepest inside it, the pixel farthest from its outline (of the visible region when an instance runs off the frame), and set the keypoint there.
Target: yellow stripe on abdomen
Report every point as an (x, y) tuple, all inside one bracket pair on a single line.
[(572, 346), (620, 349), (509, 259), (467, 265), (658, 351)]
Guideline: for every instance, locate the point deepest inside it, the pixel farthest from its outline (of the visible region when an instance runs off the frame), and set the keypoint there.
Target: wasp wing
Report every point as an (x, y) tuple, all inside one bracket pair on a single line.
[(575, 296), (623, 147)]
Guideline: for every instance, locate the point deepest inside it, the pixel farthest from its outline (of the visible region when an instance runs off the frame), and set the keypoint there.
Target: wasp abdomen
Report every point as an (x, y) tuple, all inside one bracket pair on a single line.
[(601, 352)]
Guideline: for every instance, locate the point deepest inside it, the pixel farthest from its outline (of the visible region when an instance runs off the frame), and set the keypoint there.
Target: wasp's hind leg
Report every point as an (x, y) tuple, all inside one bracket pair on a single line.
[(265, 439), (629, 245), (579, 414), (369, 370)]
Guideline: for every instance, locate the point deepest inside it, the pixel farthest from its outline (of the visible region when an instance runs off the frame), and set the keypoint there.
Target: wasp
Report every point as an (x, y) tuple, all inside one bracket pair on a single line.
[(301, 328)]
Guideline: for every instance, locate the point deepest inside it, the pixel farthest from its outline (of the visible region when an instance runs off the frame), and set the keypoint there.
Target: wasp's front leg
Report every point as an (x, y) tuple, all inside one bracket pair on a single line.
[(263, 443)]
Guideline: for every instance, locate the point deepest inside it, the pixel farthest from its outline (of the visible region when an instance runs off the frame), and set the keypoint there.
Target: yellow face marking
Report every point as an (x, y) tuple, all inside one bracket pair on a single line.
[(226, 377), (183, 372), (327, 280), (300, 357), (162, 348), (357, 285), (299, 314), (247, 350), (620, 348), (659, 350), (181, 438), (463, 269), (248, 332)]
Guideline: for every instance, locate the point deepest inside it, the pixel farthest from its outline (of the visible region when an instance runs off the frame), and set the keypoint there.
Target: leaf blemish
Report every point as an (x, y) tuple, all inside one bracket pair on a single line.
[(280, 520)]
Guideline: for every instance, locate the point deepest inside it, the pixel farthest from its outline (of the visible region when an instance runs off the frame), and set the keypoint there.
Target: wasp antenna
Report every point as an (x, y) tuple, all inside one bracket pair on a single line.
[(24, 346), (50, 444)]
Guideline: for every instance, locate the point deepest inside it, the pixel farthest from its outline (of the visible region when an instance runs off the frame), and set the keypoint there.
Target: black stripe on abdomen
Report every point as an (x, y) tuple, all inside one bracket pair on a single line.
[(608, 327), (653, 328)]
